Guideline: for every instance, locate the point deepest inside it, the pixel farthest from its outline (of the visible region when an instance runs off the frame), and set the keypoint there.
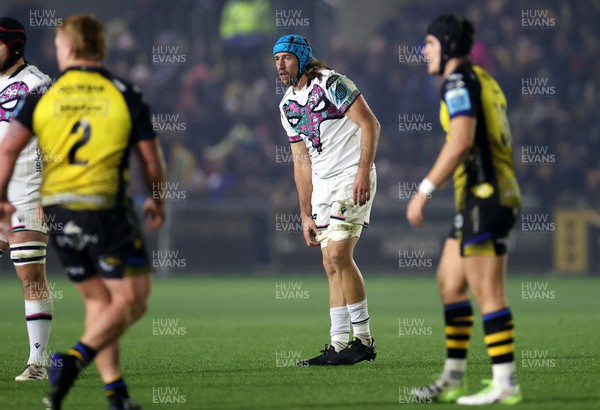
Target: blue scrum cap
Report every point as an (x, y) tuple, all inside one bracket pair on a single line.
[(298, 46)]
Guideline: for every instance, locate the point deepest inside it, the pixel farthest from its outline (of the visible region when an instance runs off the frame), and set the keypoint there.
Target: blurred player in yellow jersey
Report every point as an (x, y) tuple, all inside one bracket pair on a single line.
[(86, 124), (478, 153)]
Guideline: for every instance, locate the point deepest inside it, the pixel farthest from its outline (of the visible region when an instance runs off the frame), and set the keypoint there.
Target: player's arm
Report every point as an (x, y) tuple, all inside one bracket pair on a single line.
[(360, 113), (153, 167), (303, 180), (455, 150), (17, 137), (453, 153)]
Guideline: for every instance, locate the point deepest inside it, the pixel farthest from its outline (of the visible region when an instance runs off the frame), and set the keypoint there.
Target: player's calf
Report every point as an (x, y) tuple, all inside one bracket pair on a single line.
[(29, 258)]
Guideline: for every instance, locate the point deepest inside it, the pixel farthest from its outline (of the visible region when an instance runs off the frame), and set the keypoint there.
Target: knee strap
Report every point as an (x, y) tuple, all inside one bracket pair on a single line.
[(340, 231), (28, 252)]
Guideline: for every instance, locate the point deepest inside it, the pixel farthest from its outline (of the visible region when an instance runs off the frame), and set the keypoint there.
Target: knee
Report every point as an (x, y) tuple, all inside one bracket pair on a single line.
[(452, 291), (136, 303), (139, 309), (339, 259), (329, 269), (140, 305)]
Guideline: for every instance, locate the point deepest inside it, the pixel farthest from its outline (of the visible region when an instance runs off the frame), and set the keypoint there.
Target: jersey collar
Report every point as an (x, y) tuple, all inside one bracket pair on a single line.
[(21, 68), (93, 69)]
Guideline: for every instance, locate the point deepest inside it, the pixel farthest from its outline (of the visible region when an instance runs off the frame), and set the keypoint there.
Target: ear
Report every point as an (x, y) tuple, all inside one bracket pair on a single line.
[(69, 52)]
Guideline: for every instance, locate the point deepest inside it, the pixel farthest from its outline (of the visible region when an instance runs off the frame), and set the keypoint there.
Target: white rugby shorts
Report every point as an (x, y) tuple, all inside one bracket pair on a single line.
[(332, 202)]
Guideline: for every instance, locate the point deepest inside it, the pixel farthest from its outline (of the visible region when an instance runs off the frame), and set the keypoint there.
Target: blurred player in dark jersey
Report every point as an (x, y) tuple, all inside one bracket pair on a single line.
[(478, 154), (86, 124)]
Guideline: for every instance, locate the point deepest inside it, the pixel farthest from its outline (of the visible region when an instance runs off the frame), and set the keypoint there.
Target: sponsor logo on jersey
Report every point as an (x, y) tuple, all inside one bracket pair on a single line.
[(9, 97)]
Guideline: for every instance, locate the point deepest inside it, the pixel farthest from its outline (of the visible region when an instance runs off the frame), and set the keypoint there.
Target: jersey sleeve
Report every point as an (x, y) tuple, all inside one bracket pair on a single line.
[(139, 110), (38, 84), (291, 133), (459, 96), (341, 91), (26, 107)]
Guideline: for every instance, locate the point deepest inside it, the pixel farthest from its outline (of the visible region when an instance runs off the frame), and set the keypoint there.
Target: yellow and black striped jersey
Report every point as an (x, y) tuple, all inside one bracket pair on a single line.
[(488, 171), (85, 124)]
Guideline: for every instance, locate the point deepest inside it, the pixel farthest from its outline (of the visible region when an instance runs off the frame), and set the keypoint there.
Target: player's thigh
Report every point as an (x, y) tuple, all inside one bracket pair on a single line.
[(486, 276), (27, 236), (94, 292), (341, 252), (121, 258), (132, 290), (452, 281)]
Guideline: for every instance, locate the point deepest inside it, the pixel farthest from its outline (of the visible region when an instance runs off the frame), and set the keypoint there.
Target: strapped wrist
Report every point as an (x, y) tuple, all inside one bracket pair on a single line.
[(427, 187)]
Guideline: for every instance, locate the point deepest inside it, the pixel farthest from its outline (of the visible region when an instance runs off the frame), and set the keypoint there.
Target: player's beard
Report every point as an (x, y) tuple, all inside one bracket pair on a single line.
[(291, 81), (4, 65)]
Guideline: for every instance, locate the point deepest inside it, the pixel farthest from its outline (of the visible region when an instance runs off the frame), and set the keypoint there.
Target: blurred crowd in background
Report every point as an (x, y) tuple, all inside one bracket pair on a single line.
[(207, 70)]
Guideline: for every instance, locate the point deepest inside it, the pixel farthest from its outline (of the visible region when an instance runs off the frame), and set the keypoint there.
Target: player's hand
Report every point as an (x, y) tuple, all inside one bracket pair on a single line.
[(6, 211), (414, 210), (154, 213), (361, 190), (310, 231)]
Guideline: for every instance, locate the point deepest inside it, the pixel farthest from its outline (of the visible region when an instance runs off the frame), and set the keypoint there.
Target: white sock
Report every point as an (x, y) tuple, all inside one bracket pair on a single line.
[(454, 370), (505, 375), (38, 314), (340, 327), (359, 315)]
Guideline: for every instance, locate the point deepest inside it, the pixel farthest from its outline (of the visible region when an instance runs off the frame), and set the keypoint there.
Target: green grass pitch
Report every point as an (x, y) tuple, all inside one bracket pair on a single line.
[(228, 344)]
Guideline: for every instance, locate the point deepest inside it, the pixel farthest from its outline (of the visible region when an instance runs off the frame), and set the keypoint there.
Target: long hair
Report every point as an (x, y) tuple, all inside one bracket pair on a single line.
[(314, 68)]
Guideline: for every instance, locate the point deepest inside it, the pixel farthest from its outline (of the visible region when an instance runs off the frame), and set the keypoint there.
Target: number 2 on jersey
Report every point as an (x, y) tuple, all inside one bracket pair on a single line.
[(83, 123)]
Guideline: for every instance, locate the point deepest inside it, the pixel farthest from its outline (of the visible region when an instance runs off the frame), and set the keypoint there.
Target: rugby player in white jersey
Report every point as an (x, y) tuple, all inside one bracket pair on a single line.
[(333, 136), (29, 236)]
